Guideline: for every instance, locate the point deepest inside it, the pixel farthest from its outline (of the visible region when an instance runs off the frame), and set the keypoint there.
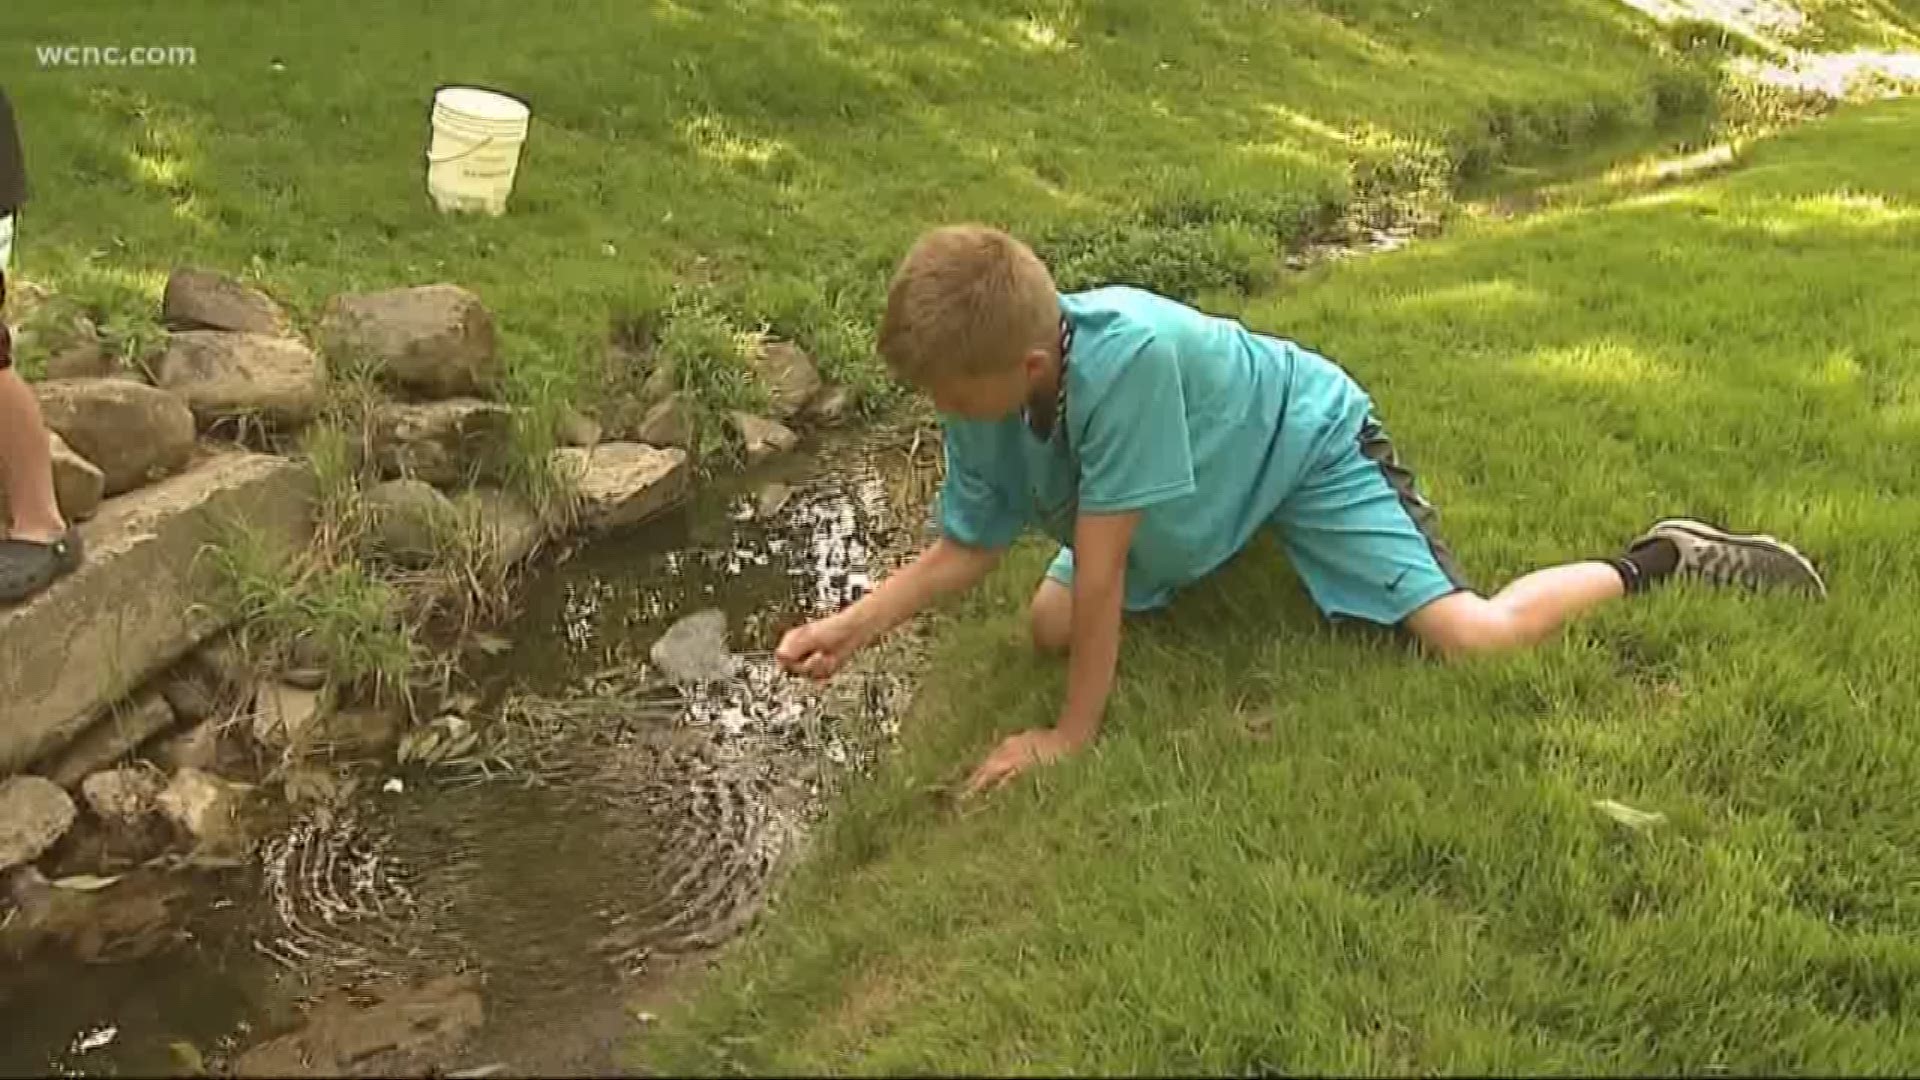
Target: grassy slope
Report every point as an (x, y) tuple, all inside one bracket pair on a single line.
[(1302, 852), (777, 153)]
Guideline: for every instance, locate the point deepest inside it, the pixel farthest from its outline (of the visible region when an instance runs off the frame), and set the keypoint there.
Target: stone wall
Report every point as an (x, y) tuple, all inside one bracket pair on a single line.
[(134, 720)]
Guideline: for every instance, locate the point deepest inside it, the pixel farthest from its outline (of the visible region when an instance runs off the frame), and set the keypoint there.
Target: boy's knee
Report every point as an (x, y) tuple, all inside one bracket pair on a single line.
[(1051, 618), (1463, 625)]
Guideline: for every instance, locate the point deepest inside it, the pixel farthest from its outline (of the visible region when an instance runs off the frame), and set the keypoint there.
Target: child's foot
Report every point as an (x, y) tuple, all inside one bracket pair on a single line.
[(1723, 558), (28, 566)]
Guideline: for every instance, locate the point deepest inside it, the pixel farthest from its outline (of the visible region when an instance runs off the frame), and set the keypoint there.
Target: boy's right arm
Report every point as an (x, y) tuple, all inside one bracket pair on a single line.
[(980, 512), (819, 649), (945, 568)]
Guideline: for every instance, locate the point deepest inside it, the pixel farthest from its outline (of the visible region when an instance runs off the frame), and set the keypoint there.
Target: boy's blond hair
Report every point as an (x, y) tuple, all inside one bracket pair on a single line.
[(967, 300)]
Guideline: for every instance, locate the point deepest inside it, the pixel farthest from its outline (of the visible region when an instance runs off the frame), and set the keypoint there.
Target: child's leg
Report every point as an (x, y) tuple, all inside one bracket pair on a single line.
[(26, 457), (1050, 616), (1363, 541), (1532, 608), (1524, 613), (26, 463), (35, 547)]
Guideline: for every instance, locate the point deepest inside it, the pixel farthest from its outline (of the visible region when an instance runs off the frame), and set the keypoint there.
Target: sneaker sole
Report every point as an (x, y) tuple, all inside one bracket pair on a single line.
[(1758, 541)]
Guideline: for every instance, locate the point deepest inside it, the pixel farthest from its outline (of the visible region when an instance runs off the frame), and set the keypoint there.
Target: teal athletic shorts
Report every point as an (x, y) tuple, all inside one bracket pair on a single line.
[(1360, 536)]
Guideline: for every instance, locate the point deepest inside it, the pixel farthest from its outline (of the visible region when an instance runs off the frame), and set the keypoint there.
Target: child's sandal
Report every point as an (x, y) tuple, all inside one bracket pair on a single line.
[(28, 566)]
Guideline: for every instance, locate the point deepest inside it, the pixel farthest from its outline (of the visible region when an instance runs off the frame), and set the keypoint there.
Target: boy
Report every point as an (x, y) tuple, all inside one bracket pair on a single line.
[(1153, 441), (37, 547)]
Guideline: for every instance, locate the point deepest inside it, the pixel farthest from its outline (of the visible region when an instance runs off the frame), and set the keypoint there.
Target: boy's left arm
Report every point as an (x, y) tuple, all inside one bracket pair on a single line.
[(1136, 453), (1100, 543)]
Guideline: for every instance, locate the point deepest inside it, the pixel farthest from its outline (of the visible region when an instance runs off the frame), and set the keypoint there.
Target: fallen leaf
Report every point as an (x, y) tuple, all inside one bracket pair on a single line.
[(187, 1058), (491, 644), (84, 882), (1628, 816), (420, 744)]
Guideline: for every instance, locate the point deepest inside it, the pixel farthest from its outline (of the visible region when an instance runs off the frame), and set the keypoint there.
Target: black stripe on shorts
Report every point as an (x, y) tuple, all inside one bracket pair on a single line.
[(1377, 448)]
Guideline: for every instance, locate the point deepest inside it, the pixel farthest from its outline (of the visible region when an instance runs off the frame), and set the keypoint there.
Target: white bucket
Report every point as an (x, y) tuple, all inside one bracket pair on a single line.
[(475, 150)]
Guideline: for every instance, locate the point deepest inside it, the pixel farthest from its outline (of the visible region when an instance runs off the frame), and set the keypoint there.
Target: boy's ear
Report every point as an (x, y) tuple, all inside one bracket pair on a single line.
[(1034, 363)]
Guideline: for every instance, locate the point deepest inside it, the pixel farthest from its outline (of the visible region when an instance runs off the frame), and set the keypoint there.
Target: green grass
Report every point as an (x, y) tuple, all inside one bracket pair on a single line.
[(771, 159), (1296, 851), (354, 617)]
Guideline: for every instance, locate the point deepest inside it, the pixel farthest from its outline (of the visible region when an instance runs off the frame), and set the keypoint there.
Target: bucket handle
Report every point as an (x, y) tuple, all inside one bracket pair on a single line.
[(458, 154)]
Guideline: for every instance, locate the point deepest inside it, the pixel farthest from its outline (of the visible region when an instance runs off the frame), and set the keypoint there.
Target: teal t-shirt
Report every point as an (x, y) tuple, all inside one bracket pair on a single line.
[(1198, 422)]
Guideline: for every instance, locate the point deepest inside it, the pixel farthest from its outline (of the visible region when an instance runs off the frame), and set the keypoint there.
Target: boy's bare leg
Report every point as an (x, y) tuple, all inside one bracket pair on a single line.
[(26, 464), (1533, 608), (1050, 618), (1524, 613)]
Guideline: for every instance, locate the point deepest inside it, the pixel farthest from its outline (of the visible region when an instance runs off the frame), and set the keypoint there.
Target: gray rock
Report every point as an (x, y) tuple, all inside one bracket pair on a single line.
[(34, 813), (120, 729), (762, 438), (223, 375), (307, 663), (84, 357), (76, 483), (789, 376), (433, 340), (669, 422), (577, 429), (365, 729), (213, 682), (772, 499), (442, 442), (191, 693), (511, 530), (209, 808), (285, 716), (405, 519), (122, 795), (623, 483), (380, 1030), (694, 650), (831, 407), (203, 300), (198, 747), (131, 432), (228, 663), (304, 678), (69, 340)]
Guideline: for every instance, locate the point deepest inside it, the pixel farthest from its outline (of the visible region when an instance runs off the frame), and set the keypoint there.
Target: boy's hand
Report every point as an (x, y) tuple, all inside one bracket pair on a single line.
[(1042, 746), (819, 649)]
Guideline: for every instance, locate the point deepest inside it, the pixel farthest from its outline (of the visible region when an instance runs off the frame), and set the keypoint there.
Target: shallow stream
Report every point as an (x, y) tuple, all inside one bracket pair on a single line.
[(609, 828)]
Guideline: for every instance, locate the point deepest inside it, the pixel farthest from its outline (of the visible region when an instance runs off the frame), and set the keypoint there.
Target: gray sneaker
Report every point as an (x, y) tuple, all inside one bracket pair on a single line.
[(1723, 558)]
